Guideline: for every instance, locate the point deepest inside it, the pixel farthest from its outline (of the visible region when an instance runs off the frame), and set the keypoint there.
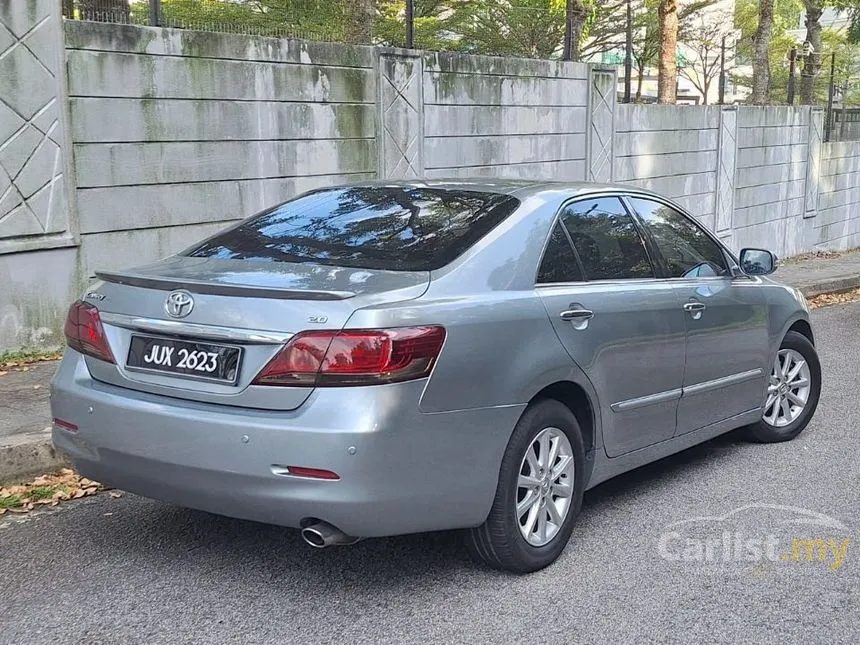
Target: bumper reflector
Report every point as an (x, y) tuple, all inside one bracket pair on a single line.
[(65, 425)]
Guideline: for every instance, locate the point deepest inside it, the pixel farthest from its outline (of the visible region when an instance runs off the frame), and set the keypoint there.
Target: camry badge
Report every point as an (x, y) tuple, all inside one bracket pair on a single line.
[(178, 304)]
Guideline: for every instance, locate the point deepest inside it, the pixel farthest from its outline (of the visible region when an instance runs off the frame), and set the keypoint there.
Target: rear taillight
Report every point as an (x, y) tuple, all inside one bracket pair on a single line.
[(354, 357), (85, 333)]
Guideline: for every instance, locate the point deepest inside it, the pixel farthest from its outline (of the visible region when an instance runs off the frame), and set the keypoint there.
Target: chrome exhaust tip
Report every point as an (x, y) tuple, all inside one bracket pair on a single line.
[(322, 534)]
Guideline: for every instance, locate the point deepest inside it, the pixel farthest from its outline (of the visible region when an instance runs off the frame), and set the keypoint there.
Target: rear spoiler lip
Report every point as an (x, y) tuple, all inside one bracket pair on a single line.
[(219, 288)]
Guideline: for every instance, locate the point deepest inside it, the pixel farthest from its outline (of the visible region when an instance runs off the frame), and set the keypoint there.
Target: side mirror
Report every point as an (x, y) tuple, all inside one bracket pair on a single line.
[(758, 262)]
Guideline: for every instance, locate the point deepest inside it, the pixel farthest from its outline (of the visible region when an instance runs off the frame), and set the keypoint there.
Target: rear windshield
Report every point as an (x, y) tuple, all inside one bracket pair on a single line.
[(399, 228)]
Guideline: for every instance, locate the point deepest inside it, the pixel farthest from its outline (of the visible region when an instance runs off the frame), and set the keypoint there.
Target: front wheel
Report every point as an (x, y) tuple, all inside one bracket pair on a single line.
[(539, 493), (794, 387)]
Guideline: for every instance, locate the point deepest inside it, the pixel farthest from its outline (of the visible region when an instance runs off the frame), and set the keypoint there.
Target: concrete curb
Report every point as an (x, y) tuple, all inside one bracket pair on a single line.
[(832, 285), (28, 454)]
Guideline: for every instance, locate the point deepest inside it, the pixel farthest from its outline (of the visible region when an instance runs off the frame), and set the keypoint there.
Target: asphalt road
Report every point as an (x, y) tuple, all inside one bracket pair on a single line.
[(106, 571)]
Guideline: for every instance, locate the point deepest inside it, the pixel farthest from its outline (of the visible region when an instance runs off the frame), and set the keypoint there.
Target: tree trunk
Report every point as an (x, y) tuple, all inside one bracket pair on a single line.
[(761, 44), (811, 64), (639, 80), (358, 21), (667, 79), (575, 15)]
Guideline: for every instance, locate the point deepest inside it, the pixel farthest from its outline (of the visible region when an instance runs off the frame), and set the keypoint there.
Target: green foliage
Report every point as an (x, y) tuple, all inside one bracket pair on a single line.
[(786, 15), (10, 501), (312, 19)]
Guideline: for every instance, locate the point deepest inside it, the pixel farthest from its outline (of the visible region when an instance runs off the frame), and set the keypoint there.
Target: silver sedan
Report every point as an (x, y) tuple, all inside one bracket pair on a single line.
[(398, 357)]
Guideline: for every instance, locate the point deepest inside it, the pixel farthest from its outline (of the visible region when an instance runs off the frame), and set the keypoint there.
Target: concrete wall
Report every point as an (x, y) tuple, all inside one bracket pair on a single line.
[(671, 150), (772, 157), (838, 223), (155, 138), (37, 226), (506, 118), (176, 132)]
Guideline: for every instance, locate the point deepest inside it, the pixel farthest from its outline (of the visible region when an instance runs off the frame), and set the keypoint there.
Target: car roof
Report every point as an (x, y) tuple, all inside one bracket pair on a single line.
[(521, 188)]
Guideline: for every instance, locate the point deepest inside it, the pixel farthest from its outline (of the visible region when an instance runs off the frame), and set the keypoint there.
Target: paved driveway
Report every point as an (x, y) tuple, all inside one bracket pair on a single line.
[(128, 570)]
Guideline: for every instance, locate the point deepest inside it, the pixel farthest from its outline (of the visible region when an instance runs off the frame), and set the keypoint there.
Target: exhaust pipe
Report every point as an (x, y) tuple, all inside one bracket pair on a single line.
[(322, 534)]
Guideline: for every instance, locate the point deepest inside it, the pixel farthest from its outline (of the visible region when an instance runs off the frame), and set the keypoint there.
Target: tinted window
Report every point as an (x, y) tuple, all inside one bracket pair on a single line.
[(401, 228), (686, 249), (606, 239), (559, 262)]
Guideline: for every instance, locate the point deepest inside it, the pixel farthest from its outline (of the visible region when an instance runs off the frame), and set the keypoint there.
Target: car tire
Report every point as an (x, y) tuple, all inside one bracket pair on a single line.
[(763, 431), (501, 540)]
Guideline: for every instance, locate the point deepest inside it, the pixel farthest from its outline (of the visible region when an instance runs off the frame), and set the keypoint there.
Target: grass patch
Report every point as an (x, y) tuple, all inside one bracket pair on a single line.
[(10, 501), (42, 492), (26, 356), (47, 490)]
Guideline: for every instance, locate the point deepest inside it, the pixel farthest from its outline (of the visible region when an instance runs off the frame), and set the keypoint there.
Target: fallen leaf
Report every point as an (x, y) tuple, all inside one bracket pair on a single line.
[(115, 494), (78, 493), (2, 511), (37, 387), (827, 299), (3, 373)]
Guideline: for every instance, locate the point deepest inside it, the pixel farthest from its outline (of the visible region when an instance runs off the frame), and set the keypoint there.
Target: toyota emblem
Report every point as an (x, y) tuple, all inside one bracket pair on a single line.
[(178, 304)]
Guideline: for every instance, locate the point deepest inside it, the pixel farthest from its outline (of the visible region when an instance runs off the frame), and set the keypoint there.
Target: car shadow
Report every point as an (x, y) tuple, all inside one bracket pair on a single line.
[(658, 473)]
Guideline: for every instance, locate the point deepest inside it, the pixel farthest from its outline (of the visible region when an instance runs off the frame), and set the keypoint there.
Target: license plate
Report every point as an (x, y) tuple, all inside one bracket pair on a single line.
[(184, 358)]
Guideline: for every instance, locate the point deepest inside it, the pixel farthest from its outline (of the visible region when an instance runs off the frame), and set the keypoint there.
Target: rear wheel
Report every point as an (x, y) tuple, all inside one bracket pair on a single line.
[(793, 389), (539, 494)]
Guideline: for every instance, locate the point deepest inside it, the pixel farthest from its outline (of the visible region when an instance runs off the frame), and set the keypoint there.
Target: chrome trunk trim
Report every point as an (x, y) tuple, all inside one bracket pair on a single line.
[(193, 330)]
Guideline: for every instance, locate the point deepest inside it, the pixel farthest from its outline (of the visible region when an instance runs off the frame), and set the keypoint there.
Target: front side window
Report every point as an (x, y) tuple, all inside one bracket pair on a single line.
[(397, 228), (687, 250), (606, 239)]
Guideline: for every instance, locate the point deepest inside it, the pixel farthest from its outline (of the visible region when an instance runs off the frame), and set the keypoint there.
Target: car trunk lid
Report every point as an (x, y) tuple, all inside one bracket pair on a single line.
[(255, 306)]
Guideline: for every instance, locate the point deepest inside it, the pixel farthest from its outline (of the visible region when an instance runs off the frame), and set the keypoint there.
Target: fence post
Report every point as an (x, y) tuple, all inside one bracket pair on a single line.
[(792, 61), (155, 13), (828, 119), (628, 52), (410, 24), (813, 163), (599, 146), (726, 165), (399, 114)]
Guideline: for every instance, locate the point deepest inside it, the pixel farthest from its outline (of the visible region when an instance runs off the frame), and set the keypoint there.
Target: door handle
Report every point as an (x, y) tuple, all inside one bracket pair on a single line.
[(695, 309), (577, 314)]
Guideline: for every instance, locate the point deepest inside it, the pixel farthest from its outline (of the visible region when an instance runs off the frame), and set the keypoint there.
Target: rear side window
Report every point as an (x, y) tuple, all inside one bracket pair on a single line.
[(398, 228), (606, 239), (559, 262)]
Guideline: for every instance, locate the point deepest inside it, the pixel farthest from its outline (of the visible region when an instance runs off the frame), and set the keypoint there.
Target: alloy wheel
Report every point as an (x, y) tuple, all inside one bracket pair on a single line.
[(787, 390), (545, 486)]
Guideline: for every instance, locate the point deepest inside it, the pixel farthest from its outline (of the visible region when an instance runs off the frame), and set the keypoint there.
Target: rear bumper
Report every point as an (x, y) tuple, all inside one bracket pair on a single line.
[(401, 471)]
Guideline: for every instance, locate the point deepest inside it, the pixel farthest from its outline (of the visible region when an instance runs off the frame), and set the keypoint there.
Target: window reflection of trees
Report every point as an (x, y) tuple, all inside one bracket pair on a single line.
[(606, 238), (394, 227), (687, 250)]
